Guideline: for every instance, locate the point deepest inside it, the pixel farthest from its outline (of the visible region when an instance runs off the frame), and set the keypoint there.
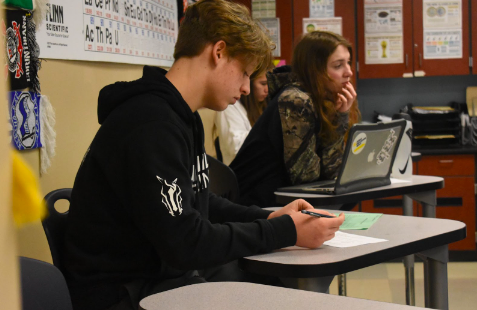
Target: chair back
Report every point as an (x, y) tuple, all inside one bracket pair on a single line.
[(222, 180), (43, 286), (218, 152), (55, 224)]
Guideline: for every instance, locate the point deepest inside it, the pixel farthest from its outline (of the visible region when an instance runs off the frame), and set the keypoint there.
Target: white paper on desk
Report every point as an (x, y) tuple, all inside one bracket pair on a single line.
[(395, 181), (345, 240)]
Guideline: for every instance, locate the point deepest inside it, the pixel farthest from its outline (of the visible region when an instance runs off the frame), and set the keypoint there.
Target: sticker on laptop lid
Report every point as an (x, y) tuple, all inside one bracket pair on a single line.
[(359, 143), (385, 152)]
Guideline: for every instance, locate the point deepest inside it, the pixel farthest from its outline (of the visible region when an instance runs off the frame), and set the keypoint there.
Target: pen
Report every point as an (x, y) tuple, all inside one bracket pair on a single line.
[(316, 214)]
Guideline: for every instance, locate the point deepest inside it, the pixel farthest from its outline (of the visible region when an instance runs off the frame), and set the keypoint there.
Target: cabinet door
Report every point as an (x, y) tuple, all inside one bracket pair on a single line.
[(343, 8), (284, 12), (447, 165), (474, 36), (247, 3), (372, 71), (456, 201), (433, 67)]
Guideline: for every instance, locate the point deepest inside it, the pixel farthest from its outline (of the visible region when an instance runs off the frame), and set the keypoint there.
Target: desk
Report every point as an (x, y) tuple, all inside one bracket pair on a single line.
[(314, 269), (415, 156), (246, 296), (421, 188)]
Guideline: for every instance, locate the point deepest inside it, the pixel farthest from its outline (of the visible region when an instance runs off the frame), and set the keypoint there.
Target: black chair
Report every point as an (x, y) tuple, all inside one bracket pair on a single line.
[(218, 152), (43, 286), (55, 224), (222, 180)]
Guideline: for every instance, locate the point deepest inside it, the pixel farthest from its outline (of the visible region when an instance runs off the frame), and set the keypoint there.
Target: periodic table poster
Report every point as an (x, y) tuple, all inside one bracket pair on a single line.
[(126, 31)]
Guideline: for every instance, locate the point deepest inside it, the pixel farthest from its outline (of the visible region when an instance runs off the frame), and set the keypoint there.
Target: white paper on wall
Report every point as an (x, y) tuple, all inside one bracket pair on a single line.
[(128, 31)]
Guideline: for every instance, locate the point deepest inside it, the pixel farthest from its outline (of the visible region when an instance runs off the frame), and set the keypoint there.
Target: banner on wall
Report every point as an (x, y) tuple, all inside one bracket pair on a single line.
[(126, 31), (21, 61), (25, 119)]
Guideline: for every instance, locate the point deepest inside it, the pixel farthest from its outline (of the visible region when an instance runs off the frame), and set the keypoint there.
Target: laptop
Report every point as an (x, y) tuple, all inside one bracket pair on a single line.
[(367, 160)]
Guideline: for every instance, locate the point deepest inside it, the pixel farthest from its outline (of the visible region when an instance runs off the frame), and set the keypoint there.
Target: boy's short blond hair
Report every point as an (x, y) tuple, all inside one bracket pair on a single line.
[(209, 21)]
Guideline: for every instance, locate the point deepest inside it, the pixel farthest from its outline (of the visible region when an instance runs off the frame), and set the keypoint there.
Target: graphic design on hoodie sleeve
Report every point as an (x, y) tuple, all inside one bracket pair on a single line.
[(171, 191), (199, 177), (171, 196)]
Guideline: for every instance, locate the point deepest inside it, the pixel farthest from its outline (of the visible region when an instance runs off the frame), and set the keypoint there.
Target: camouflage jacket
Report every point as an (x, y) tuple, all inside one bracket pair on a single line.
[(306, 159)]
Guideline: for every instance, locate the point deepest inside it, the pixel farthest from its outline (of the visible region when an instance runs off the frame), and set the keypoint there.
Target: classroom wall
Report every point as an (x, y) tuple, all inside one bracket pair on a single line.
[(72, 87), (9, 273)]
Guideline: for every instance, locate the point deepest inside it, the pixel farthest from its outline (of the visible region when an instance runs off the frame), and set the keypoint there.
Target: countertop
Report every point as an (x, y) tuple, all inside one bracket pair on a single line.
[(439, 150)]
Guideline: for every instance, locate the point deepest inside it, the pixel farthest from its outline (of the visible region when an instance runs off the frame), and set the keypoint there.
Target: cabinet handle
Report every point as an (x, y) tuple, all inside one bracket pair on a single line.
[(420, 60), (407, 60), (446, 161)]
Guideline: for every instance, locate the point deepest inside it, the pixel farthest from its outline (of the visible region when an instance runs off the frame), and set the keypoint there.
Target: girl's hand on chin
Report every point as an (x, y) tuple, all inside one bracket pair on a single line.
[(346, 98)]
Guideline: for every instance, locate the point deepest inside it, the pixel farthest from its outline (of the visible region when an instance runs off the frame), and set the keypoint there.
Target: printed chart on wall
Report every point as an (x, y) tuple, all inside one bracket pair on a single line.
[(272, 25), (264, 8), (125, 31), (322, 8), (332, 24), (383, 31), (442, 29)]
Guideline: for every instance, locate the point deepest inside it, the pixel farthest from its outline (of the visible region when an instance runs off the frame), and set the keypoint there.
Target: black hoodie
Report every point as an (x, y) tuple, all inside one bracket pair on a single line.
[(141, 213), (259, 164)]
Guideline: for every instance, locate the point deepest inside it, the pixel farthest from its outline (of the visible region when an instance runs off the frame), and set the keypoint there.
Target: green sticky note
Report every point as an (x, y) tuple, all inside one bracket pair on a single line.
[(359, 221)]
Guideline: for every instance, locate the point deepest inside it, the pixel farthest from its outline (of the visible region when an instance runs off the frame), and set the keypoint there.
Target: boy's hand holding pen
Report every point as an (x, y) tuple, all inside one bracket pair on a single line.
[(316, 214)]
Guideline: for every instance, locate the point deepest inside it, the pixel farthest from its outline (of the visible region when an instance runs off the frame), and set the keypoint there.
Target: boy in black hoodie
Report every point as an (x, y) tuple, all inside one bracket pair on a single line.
[(141, 218)]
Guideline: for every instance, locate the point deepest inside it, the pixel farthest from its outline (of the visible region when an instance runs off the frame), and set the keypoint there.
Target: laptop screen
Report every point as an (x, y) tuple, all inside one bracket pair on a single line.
[(371, 153)]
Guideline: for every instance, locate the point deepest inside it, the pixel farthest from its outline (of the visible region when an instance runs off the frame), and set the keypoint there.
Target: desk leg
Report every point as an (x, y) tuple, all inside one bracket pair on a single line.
[(320, 285), (408, 210), (435, 277), (342, 284), (428, 210), (428, 200), (409, 276)]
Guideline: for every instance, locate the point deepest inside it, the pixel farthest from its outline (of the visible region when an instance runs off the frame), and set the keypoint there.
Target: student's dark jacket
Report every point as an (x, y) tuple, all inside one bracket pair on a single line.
[(259, 164), (141, 213)]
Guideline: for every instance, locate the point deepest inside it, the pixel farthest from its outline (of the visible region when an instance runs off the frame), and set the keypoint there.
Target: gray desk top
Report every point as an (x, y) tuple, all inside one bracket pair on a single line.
[(406, 235), (415, 156), (419, 183), (245, 296)]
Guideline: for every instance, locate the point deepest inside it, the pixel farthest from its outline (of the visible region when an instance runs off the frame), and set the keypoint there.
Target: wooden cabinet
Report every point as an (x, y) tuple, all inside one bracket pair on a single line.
[(284, 11), (343, 8), (372, 71), (456, 66), (455, 201), (474, 36), (413, 63), (291, 14)]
